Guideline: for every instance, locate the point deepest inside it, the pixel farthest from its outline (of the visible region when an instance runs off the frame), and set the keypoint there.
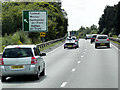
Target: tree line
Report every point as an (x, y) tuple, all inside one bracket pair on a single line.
[(12, 18), (109, 22), (93, 29)]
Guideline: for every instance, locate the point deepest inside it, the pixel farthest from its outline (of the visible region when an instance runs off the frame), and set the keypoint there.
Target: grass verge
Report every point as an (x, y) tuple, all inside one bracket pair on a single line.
[(115, 42), (51, 45)]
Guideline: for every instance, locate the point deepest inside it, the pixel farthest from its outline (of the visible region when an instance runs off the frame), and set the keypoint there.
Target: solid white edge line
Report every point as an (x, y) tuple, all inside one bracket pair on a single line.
[(63, 84), (55, 49), (73, 70), (115, 47)]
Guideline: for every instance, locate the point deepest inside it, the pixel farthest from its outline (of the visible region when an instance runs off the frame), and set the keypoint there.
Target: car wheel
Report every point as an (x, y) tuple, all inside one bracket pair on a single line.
[(43, 72), (37, 76), (108, 46), (95, 46), (3, 79)]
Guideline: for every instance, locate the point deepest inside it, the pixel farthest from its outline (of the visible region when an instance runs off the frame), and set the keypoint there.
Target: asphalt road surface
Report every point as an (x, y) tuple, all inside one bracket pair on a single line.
[(84, 67)]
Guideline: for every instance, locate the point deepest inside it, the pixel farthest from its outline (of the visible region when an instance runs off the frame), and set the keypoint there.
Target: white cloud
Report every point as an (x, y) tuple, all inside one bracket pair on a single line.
[(85, 12)]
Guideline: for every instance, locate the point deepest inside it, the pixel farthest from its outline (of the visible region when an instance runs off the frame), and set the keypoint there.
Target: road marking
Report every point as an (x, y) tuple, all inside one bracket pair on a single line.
[(81, 56), (7, 78), (83, 52), (73, 70), (78, 61), (115, 47), (63, 84)]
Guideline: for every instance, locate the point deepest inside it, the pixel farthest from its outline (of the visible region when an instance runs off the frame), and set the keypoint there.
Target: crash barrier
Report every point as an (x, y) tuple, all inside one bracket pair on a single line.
[(44, 44), (115, 39)]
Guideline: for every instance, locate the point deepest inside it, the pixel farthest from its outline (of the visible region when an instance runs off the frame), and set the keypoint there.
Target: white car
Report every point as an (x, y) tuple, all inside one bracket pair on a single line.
[(20, 60), (71, 42), (102, 40)]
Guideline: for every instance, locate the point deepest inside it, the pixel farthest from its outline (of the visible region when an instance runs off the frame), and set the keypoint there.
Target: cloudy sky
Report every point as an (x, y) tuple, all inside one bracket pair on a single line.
[(85, 12)]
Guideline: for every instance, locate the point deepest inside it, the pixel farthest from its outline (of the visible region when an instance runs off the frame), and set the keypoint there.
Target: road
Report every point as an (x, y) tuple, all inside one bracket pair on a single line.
[(84, 67)]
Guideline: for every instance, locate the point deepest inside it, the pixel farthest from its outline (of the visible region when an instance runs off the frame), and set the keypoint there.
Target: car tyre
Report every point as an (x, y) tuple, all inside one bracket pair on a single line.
[(3, 79), (43, 72), (95, 46), (108, 46), (37, 76), (91, 42)]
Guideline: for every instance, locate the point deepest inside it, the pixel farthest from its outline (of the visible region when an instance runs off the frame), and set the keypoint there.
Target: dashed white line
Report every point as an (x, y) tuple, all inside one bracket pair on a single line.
[(78, 61), (63, 84), (73, 70), (81, 56)]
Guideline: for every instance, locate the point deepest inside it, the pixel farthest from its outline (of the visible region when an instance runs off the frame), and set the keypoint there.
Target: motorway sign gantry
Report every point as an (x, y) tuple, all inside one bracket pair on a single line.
[(35, 21)]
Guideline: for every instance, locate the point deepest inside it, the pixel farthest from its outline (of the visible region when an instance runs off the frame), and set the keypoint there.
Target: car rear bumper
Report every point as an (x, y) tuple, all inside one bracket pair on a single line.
[(20, 72), (75, 46), (102, 44)]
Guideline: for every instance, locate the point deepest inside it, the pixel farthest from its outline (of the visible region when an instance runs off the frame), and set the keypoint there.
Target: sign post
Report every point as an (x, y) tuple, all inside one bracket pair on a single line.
[(35, 21), (42, 35)]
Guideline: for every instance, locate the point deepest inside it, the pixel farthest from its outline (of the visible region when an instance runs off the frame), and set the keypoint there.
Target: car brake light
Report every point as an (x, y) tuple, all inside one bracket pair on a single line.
[(91, 38), (107, 39), (1, 61), (75, 40), (96, 39), (33, 60)]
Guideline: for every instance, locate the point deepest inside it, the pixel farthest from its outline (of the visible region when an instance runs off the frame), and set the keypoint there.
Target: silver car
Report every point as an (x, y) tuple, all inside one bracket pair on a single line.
[(20, 60), (71, 42), (102, 40)]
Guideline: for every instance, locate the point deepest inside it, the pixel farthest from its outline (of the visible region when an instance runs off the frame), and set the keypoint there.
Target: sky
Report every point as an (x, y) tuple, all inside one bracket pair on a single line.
[(85, 12)]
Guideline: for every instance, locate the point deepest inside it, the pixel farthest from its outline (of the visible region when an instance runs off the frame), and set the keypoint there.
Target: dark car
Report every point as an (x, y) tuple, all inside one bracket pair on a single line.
[(88, 36), (93, 38)]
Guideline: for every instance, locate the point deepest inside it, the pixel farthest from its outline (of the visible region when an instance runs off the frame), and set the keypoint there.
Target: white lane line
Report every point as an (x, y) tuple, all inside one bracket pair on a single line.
[(115, 47), (78, 62), (73, 70), (81, 56), (63, 84)]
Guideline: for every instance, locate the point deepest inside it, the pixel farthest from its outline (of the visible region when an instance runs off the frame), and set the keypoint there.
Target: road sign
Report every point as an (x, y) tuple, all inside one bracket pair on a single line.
[(42, 34), (35, 21)]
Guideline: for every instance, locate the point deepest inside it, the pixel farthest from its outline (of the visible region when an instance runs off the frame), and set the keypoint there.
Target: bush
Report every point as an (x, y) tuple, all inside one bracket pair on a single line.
[(17, 38), (114, 36)]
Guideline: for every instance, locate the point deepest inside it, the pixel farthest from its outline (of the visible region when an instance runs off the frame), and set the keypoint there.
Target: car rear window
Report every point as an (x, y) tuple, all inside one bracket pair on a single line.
[(94, 36), (73, 38), (69, 43), (102, 37), (69, 39), (17, 53)]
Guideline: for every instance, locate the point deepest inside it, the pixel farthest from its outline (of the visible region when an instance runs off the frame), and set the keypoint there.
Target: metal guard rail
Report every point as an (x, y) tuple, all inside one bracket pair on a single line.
[(115, 39), (42, 45)]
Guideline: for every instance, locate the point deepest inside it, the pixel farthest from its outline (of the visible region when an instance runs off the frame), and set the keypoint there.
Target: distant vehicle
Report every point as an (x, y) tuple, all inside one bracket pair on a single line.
[(88, 36), (21, 60), (119, 36), (102, 40), (71, 42), (93, 37)]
